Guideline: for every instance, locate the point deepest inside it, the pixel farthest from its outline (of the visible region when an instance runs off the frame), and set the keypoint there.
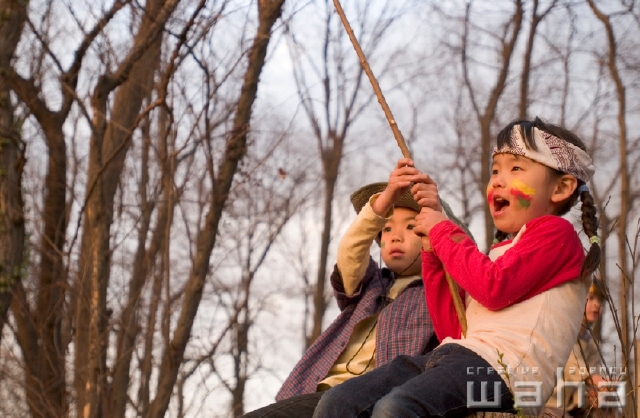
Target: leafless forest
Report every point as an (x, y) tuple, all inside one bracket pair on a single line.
[(174, 176)]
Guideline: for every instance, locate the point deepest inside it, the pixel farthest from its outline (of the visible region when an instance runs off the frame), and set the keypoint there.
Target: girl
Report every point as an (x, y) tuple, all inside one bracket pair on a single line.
[(525, 299)]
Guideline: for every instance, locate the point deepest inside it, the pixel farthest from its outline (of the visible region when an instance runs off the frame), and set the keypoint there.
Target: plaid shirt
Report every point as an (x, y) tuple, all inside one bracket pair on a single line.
[(404, 327)]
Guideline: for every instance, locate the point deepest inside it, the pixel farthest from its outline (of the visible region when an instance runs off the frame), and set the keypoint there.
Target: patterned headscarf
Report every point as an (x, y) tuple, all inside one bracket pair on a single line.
[(552, 151)]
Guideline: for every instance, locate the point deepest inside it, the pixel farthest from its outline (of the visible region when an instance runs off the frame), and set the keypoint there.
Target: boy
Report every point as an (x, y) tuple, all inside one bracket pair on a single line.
[(383, 310)]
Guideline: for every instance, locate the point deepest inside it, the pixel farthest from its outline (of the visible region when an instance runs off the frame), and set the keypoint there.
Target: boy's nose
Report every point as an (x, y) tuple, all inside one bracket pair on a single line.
[(396, 238)]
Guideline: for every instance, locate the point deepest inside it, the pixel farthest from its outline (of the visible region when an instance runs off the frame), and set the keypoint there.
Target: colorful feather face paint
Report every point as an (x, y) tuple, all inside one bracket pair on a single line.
[(522, 192)]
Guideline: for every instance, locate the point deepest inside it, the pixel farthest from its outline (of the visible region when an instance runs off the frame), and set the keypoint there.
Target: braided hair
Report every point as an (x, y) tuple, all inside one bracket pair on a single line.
[(589, 218)]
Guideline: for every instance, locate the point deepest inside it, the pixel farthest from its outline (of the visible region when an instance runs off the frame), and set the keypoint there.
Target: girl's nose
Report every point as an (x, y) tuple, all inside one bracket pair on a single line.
[(496, 181)]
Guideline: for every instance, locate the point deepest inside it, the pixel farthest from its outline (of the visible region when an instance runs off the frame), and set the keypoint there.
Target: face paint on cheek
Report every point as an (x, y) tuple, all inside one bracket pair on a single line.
[(382, 245), (489, 195), (522, 192)]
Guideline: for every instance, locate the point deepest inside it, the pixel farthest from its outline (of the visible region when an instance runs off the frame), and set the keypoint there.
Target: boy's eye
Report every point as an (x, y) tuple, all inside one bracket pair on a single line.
[(516, 168), (386, 229), (410, 227)]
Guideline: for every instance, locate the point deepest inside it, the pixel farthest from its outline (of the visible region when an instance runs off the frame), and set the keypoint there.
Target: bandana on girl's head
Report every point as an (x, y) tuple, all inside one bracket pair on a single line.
[(552, 151)]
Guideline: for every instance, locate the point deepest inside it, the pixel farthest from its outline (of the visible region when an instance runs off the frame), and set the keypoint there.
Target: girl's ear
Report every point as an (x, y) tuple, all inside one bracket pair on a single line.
[(565, 186)]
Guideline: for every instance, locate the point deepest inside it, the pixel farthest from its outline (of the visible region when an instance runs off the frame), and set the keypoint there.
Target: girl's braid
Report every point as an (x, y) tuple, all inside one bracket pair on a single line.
[(590, 226), (500, 236)]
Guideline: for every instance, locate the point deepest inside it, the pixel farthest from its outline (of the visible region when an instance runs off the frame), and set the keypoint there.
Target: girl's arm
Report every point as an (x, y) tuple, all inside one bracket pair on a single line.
[(548, 254), (439, 300)]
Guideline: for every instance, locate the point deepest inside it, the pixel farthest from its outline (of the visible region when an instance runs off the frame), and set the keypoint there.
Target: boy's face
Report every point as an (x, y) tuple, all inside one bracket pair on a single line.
[(519, 190), (593, 308), (399, 245)]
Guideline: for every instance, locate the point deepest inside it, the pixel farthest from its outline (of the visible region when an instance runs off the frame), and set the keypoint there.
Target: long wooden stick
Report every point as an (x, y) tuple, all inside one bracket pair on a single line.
[(374, 83), (453, 286)]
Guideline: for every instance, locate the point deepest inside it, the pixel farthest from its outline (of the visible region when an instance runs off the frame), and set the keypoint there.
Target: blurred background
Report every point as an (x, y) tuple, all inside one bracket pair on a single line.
[(174, 176)]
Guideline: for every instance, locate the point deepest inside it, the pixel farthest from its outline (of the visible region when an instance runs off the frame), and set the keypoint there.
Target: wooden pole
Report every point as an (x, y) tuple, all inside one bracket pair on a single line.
[(453, 286), (374, 83)]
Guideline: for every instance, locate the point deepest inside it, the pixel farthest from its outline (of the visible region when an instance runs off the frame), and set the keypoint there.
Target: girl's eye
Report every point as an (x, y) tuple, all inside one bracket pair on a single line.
[(494, 172), (386, 229), (410, 227), (516, 168)]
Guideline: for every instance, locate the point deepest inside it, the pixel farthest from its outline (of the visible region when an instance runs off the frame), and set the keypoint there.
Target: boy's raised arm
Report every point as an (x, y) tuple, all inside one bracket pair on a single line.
[(354, 247)]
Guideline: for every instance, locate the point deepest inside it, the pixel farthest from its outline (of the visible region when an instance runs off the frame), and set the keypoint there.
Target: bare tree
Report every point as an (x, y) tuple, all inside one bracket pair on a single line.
[(46, 392), (109, 145), (486, 114), (625, 196), (130, 91), (526, 66), (268, 12), (263, 203), (12, 229)]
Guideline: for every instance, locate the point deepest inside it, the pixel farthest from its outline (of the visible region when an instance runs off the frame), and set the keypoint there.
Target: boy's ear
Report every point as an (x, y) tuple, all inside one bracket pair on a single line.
[(565, 187)]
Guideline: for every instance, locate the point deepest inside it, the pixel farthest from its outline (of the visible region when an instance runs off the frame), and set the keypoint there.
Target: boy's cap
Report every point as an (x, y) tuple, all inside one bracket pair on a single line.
[(597, 289), (360, 197)]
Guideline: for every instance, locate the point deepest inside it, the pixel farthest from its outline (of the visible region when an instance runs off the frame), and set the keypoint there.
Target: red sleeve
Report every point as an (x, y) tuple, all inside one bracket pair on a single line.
[(548, 254), (439, 301)]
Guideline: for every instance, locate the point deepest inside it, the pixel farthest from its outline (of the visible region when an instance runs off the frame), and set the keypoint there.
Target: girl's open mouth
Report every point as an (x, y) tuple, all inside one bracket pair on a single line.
[(499, 204)]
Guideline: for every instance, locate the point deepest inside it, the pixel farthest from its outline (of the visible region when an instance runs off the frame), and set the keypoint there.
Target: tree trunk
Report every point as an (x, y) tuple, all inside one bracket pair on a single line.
[(331, 164), (52, 274), (109, 146), (268, 12), (12, 231), (624, 204), (45, 380)]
